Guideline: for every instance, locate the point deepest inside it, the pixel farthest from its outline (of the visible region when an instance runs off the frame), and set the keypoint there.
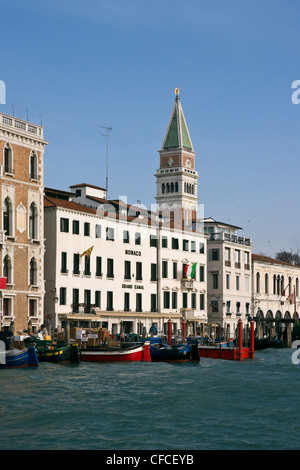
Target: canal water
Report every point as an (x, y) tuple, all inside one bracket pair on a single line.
[(211, 405)]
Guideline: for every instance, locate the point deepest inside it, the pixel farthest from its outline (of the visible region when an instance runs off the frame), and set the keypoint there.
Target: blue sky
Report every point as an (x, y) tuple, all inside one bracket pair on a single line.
[(80, 64)]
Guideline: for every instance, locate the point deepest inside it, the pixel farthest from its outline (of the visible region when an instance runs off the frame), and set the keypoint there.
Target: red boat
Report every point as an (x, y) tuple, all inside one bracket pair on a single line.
[(137, 353)]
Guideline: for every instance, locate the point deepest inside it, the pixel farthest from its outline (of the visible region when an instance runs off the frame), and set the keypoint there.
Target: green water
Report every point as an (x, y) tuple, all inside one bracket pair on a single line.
[(211, 405)]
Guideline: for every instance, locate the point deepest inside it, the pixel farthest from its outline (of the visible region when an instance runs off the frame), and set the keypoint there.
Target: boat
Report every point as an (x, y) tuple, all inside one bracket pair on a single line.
[(20, 357), (58, 352), (137, 352), (181, 352), (265, 343)]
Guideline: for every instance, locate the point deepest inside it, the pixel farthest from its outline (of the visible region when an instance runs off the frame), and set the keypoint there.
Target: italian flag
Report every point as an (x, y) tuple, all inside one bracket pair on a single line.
[(189, 270)]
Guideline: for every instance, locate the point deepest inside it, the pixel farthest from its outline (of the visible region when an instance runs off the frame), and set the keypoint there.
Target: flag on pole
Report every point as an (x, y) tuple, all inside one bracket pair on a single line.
[(189, 270), (87, 252)]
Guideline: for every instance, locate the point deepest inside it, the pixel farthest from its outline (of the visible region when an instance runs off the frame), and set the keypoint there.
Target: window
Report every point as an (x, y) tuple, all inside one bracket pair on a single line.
[(202, 273), (32, 307), (139, 273), (247, 307), (184, 300), (237, 282), (153, 302), (174, 270), (202, 301), (137, 238), (214, 306), (62, 296), (227, 281), (247, 259), (174, 300), (110, 267), (86, 229), (175, 244), (64, 262), (7, 307), (109, 301), (247, 283), (97, 298), (153, 272), (185, 245), (7, 269), (139, 303), (238, 307), (110, 234), (193, 300), (33, 221), (87, 301), (76, 263), (164, 242), (214, 254), (165, 269), (193, 247), (8, 159), (7, 216), (257, 283), (98, 266), (75, 296), (215, 280), (33, 166), (33, 272), (166, 299), (76, 227), (201, 248), (153, 240), (127, 270), (237, 258), (227, 257), (98, 231), (126, 301), (87, 266), (125, 236), (64, 225), (228, 306)]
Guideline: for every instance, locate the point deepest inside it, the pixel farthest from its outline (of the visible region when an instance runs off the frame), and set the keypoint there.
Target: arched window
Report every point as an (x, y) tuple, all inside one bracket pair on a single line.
[(168, 187), (33, 166), (266, 283), (7, 216), (258, 283), (163, 188), (8, 159), (176, 187), (33, 221), (7, 269), (33, 272), (172, 187)]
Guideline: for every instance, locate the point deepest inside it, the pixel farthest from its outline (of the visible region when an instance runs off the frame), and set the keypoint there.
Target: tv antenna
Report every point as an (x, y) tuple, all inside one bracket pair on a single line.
[(106, 135)]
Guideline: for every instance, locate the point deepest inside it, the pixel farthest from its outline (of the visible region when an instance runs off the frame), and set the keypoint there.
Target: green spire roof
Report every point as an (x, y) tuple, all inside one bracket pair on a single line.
[(177, 135)]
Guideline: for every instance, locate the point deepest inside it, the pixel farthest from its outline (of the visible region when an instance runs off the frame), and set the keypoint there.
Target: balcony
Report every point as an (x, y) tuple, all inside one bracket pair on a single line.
[(21, 126), (226, 237), (188, 313), (187, 283)]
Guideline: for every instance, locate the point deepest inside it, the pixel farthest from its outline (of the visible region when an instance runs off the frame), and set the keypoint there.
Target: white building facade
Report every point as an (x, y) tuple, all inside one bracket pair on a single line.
[(134, 274), (229, 275)]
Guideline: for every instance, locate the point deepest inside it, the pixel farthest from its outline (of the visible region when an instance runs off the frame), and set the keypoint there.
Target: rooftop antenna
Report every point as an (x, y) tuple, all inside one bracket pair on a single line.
[(106, 135)]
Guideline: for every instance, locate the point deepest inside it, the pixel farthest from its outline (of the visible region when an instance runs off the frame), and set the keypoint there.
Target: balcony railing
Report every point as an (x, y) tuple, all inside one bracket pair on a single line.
[(23, 126), (222, 236), (187, 283)]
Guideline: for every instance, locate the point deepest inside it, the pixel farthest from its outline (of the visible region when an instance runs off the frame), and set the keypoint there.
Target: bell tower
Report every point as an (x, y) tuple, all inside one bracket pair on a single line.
[(176, 178)]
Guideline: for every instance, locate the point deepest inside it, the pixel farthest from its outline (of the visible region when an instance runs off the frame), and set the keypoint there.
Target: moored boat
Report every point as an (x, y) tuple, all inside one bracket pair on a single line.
[(19, 358), (162, 351), (137, 353), (48, 351)]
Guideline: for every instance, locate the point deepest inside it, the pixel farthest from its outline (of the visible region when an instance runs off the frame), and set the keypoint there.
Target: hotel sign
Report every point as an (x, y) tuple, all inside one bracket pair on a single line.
[(130, 286), (133, 252)]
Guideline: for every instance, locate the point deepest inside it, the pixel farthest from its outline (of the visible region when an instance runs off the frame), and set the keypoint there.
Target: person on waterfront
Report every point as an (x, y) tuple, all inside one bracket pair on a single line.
[(43, 331), (153, 330), (6, 336)]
